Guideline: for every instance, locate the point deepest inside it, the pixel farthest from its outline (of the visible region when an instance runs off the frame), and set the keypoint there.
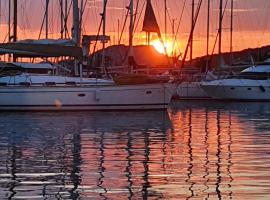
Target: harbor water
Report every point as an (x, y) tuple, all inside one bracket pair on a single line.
[(195, 150)]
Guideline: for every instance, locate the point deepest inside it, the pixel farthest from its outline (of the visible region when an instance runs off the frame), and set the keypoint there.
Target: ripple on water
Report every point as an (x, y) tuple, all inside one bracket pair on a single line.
[(196, 150)]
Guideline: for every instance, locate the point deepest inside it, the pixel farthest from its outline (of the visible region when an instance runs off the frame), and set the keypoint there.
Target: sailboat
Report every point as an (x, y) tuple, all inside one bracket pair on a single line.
[(251, 84), (26, 91), (150, 25)]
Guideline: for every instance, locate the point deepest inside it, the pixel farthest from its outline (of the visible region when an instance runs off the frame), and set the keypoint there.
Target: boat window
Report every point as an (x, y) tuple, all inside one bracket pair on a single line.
[(50, 83), (254, 75), (81, 95), (24, 83), (70, 83), (232, 88), (3, 83)]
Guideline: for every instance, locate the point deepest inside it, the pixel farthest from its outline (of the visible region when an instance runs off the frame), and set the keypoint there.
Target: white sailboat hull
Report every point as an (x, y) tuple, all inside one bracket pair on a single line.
[(238, 89), (191, 90), (111, 97)]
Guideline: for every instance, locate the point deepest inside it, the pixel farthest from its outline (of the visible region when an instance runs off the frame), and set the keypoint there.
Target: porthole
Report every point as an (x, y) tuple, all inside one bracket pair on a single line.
[(249, 88), (81, 95), (232, 88), (149, 92)]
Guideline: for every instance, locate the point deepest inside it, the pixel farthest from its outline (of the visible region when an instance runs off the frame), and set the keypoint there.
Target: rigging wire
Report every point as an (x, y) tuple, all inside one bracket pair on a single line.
[(179, 24), (216, 39)]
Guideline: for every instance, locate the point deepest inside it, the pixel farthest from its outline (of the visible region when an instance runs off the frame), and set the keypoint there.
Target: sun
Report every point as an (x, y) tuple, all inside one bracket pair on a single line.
[(157, 44)]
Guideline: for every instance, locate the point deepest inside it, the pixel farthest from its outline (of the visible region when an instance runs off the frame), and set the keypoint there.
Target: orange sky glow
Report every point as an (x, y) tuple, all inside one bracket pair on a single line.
[(250, 33)]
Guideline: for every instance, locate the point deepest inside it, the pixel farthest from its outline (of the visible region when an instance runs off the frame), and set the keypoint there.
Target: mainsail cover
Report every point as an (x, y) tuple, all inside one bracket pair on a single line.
[(150, 22), (40, 50)]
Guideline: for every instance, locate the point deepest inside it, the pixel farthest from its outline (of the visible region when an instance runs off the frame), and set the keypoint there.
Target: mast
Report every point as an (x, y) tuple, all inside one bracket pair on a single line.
[(220, 32), (81, 13), (65, 20), (131, 28), (15, 24), (15, 20), (104, 35), (76, 23), (192, 30), (47, 19), (61, 19), (231, 34), (0, 13), (165, 19), (9, 20), (131, 24), (208, 35)]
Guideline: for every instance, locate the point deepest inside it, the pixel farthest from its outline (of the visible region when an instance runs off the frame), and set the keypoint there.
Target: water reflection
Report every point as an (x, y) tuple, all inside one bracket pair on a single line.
[(197, 150)]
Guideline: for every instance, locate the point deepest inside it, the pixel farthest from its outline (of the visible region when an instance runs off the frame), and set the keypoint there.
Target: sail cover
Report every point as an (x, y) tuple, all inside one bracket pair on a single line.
[(150, 22), (40, 50)]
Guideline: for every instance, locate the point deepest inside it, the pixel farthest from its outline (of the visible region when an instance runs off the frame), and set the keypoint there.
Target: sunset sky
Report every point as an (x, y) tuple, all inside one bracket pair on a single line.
[(251, 21)]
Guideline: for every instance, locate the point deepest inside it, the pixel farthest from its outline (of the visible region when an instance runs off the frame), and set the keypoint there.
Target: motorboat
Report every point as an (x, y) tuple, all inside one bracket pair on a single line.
[(251, 84)]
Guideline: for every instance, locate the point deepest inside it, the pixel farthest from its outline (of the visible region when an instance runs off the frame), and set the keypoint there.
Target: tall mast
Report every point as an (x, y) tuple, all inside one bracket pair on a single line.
[(208, 35), (15, 20), (81, 14), (76, 23), (104, 35), (231, 37), (104, 13), (192, 30), (47, 19), (165, 19), (66, 15), (220, 32), (0, 13), (131, 24), (61, 19), (9, 20)]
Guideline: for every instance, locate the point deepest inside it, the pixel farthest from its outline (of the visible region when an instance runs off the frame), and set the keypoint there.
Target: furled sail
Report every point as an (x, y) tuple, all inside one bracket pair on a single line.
[(45, 49), (150, 22)]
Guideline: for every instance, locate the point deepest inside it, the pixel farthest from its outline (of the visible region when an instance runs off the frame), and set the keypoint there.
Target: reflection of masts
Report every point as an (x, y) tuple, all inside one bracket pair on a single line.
[(13, 172), (146, 183), (190, 165), (206, 153), (218, 156), (101, 168), (76, 163), (129, 165), (230, 156)]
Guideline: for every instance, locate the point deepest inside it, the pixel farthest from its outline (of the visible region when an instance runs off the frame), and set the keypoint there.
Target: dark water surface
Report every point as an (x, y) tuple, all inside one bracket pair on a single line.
[(196, 150)]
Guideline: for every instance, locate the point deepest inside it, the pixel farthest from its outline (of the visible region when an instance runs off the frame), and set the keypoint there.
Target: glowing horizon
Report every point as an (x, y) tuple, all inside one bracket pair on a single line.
[(253, 34)]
